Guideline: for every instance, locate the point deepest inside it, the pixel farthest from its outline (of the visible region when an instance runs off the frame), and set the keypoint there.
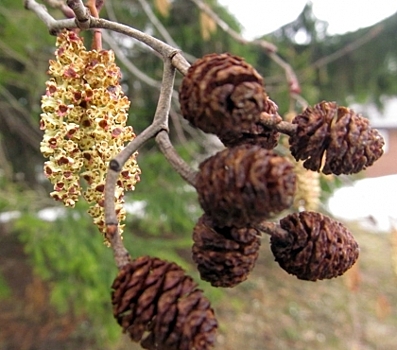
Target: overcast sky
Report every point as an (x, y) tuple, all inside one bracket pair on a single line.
[(260, 17)]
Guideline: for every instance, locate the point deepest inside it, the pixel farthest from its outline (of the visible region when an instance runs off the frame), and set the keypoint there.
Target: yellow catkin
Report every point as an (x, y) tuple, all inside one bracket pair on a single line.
[(207, 26), (84, 115), (308, 189), (163, 6)]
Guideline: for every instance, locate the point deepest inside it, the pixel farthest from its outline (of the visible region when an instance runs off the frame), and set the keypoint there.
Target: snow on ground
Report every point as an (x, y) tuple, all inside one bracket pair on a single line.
[(372, 201)]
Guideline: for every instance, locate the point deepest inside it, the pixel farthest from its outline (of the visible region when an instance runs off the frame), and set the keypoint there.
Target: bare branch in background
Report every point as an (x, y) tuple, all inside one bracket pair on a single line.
[(161, 29), (269, 48), (61, 5), (18, 119), (133, 69), (373, 33), (6, 49), (86, 21), (179, 165)]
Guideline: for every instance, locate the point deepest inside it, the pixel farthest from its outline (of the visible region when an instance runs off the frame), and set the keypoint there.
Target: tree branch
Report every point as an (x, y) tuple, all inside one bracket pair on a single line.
[(133, 69), (160, 122), (173, 60), (270, 49), (373, 33), (271, 228), (82, 14), (179, 165), (85, 21), (161, 29)]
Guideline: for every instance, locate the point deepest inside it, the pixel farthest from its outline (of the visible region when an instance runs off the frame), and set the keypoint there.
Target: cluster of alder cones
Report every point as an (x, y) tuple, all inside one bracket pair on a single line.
[(239, 189)]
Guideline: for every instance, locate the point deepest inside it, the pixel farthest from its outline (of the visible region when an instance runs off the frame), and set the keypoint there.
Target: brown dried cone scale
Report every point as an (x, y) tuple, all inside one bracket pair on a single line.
[(243, 185), (224, 95), (224, 256), (313, 247), (154, 296), (335, 140)]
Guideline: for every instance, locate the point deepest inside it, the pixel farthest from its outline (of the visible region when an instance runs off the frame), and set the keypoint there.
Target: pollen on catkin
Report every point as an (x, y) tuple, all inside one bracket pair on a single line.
[(84, 116)]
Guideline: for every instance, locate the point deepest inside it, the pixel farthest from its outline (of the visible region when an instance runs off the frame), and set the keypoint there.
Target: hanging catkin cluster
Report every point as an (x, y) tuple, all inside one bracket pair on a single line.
[(308, 189), (84, 121), (242, 186)]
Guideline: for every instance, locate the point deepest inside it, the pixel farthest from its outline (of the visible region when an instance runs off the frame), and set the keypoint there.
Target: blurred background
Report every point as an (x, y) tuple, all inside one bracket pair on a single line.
[(55, 271)]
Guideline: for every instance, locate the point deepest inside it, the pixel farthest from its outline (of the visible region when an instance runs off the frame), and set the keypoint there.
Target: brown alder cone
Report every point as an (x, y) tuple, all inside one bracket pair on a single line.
[(335, 140), (243, 185), (223, 95), (314, 246), (224, 256), (155, 296)]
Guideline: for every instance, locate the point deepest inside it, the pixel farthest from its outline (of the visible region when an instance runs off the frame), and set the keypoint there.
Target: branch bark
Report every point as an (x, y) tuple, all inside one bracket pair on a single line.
[(173, 60), (270, 49)]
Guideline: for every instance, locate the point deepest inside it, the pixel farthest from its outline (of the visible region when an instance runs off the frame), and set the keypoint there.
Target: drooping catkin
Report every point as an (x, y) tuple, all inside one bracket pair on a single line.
[(84, 116), (308, 189)]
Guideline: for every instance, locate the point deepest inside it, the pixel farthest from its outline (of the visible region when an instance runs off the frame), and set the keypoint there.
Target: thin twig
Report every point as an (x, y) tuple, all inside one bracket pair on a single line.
[(160, 122), (286, 128), (176, 122), (81, 12), (85, 21), (121, 255), (271, 228), (133, 69), (274, 121), (161, 29), (179, 165), (373, 33), (270, 49), (97, 42)]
